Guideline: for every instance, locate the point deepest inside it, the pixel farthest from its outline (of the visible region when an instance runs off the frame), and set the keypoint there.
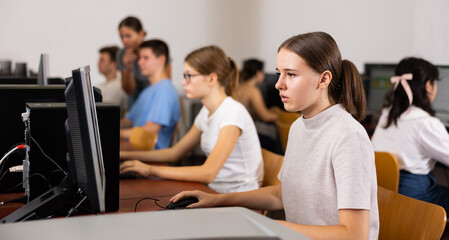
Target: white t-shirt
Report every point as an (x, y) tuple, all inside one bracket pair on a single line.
[(243, 170), (113, 92), (328, 165), (416, 141)]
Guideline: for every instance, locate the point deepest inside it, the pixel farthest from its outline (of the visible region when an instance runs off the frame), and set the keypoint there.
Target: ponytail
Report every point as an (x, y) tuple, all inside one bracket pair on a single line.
[(321, 53), (233, 78), (349, 91)]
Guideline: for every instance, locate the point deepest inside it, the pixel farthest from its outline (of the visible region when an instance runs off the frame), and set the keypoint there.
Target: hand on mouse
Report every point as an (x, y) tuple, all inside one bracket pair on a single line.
[(137, 167), (204, 199)]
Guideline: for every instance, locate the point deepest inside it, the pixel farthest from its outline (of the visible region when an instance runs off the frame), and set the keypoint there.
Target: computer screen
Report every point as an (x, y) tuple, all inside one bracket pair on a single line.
[(83, 138), (378, 84), (10, 79), (441, 103), (42, 75), (13, 99), (269, 91), (85, 181)]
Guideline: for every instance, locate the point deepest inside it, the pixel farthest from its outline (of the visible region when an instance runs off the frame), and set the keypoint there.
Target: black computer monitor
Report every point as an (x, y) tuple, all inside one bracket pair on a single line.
[(377, 85), (269, 91), (13, 99), (85, 181), (13, 79), (441, 102), (83, 138)]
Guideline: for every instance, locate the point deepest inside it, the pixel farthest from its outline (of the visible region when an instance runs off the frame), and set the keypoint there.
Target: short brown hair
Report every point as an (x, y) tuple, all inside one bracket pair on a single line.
[(111, 51), (159, 48)]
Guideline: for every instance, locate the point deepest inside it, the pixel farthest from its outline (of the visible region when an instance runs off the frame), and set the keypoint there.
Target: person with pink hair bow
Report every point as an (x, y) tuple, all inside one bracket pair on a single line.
[(409, 129)]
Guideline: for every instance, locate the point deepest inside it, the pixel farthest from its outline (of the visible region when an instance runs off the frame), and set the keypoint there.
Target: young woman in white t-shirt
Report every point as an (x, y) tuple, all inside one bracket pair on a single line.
[(223, 127), (328, 185), (409, 129)]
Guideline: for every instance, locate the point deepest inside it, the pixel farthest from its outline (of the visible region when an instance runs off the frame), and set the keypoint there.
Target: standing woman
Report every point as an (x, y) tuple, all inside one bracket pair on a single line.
[(328, 185), (132, 35), (223, 127), (409, 129)]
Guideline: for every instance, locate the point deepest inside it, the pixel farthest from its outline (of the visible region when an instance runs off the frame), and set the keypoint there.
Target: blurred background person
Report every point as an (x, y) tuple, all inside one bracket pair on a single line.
[(249, 94), (111, 89)]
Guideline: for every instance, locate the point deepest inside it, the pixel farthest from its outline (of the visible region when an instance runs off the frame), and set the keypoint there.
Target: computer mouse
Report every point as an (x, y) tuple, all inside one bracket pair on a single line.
[(182, 203)]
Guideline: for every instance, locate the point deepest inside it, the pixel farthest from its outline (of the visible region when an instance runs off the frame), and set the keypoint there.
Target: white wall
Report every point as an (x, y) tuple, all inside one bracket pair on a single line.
[(71, 32)]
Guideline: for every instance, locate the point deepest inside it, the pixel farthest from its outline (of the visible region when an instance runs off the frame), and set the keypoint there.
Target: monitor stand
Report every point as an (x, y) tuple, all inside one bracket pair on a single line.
[(55, 201)]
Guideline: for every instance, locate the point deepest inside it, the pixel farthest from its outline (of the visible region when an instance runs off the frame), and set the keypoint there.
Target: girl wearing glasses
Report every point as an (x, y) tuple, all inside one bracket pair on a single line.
[(328, 185), (223, 128)]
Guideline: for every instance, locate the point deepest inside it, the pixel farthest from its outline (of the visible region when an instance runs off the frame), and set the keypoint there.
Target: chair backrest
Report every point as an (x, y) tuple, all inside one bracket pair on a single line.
[(272, 164), (402, 217), (174, 136), (285, 120), (288, 117), (142, 139), (387, 170)]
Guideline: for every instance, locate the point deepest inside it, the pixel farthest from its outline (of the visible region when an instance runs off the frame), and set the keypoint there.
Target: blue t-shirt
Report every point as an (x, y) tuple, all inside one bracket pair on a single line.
[(158, 103)]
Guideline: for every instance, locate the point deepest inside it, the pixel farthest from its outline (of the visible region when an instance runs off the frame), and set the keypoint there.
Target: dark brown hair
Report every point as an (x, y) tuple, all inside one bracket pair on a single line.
[(111, 51), (131, 22), (320, 52), (212, 59), (159, 48), (250, 69)]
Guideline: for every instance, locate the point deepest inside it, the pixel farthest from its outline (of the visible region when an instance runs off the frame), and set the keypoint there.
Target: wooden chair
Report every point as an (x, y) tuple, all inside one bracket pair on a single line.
[(402, 217), (387, 169), (175, 135), (272, 165), (142, 139), (285, 120), (288, 117)]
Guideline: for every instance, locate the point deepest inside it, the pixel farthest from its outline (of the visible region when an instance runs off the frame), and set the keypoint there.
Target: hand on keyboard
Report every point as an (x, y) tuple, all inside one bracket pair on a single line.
[(128, 175)]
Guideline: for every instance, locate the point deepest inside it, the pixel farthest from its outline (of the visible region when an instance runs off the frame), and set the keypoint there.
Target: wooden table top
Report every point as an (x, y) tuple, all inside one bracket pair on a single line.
[(131, 191)]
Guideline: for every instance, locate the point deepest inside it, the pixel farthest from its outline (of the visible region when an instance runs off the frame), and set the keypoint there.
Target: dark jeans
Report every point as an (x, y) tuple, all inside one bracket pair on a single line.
[(425, 188)]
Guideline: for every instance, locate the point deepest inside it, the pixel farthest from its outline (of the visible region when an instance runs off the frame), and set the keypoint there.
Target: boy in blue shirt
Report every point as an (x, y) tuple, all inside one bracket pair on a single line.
[(157, 108)]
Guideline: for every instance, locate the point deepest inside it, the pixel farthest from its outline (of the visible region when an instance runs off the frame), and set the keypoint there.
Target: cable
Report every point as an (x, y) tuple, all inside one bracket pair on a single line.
[(21, 146), (56, 170), (34, 174), (148, 198), (21, 199), (42, 151), (73, 210), (3, 175), (18, 147)]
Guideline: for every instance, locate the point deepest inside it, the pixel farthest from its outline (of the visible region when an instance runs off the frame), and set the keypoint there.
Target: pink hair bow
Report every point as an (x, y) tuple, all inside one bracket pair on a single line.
[(403, 80)]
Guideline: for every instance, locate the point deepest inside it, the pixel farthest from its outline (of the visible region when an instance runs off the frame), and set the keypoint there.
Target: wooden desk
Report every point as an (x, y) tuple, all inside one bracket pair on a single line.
[(6, 209), (131, 191)]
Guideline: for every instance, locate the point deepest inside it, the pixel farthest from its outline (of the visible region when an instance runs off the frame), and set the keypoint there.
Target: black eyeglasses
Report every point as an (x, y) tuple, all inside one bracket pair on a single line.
[(188, 77)]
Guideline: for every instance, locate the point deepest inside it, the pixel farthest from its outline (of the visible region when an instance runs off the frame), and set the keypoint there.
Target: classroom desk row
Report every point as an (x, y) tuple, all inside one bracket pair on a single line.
[(130, 192), (149, 223)]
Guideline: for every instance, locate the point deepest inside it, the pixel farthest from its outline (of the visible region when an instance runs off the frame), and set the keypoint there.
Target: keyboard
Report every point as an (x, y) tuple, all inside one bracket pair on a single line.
[(128, 175)]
